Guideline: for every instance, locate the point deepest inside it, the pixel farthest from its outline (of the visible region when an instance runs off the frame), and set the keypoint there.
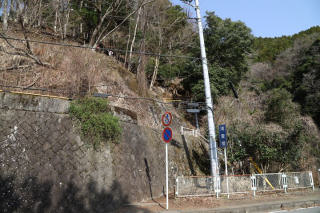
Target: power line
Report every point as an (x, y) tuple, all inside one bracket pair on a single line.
[(101, 95), (123, 17), (107, 49)]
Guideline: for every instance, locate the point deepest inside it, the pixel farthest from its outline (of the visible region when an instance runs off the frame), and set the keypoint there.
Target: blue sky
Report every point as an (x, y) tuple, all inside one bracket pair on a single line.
[(266, 18)]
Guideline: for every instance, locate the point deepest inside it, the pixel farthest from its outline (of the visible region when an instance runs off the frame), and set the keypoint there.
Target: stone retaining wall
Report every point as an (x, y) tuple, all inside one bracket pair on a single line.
[(46, 167)]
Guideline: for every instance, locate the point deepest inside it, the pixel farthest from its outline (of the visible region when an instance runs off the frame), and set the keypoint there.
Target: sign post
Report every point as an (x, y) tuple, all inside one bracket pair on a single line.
[(223, 144), (167, 178), (167, 137)]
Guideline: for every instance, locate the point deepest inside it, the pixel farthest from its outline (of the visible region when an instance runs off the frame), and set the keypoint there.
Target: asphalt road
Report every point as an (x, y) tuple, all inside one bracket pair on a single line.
[(307, 210)]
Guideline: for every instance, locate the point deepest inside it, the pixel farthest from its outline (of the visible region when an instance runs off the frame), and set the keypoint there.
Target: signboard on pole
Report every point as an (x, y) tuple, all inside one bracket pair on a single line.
[(167, 134), (166, 119), (223, 136)]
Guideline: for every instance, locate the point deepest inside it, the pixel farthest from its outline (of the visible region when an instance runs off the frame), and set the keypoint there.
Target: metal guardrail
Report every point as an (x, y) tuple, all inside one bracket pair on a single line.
[(300, 180), (187, 186), (269, 182), (238, 184)]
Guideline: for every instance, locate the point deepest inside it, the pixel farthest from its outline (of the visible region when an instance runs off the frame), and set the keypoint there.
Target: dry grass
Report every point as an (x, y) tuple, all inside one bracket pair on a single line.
[(73, 71), (69, 67), (248, 108)]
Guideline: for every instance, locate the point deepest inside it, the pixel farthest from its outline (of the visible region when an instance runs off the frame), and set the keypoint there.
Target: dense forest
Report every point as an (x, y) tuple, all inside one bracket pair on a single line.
[(158, 42)]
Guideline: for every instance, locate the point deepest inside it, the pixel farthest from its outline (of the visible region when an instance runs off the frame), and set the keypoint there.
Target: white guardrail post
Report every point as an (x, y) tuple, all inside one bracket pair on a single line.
[(311, 180), (217, 185), (284, 182), (319, 178), (177, 186), (253, 184)]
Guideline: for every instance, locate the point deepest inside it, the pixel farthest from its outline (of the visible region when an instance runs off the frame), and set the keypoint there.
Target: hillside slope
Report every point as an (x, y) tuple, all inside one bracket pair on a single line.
[(275, 119)]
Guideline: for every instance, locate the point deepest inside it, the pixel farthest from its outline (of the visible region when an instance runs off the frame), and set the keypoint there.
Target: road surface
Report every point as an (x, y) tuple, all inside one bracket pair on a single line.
[(304, 210)]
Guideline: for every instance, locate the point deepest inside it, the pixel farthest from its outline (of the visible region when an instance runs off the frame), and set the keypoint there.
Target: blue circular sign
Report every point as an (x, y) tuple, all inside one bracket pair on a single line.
[(166, 119), (167, 134)]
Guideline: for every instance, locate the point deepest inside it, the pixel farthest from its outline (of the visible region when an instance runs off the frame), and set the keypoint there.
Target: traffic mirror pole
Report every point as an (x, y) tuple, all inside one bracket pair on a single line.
[(212, 136)]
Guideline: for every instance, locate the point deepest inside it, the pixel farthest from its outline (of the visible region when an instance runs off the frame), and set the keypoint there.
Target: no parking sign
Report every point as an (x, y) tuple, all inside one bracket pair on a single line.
[(167, 135)]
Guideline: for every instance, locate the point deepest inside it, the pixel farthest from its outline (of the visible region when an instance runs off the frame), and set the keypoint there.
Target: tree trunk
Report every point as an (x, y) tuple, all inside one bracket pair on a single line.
[(40, 14), (56, 20), (81, 4), (156, 66), (128, 41), (67, 20), (141, 73), (5, 15), (99, 26), (12, 8), (19, 10), (155, 72), (134, 38)]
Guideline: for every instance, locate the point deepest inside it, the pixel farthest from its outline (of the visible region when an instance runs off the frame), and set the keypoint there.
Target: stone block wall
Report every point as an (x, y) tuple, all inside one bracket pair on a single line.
[(46, 167)]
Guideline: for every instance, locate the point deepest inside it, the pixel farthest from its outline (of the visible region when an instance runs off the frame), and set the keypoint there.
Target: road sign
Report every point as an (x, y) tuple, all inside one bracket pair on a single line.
[(193, 104), (223, 136), (166, 119), (193, 110), (167, 134)]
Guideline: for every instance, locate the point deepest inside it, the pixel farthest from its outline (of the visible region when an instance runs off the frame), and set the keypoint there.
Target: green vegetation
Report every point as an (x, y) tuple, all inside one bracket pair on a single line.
[(269, 48), (290, 85), (299, 82), (273, 150), (228, 44), (306, 81), (98, 125), (286, 76), (280, 108)]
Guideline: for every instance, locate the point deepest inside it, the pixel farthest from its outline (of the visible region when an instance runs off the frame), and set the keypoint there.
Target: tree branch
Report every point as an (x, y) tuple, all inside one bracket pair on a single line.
[(124, 20), (34, 81), (14, 67), (21, 52)]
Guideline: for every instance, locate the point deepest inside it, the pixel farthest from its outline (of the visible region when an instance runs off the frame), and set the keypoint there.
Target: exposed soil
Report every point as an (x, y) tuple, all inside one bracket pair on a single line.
[(189, 203)]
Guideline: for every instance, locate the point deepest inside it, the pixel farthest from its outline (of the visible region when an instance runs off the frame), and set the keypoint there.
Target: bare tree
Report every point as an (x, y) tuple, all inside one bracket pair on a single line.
[(5, 15), (134, 37), (157, 59), (101, 31)]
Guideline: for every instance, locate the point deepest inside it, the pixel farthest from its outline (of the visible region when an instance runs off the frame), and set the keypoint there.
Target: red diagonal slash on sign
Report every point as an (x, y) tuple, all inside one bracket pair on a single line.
[(167, 135)]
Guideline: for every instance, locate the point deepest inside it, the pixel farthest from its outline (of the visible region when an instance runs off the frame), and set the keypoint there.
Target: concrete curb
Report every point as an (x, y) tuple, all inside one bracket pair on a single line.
[(263, 207)]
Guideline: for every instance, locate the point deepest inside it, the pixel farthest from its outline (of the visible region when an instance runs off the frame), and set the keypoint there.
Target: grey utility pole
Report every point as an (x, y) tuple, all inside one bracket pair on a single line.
[(212, 136)]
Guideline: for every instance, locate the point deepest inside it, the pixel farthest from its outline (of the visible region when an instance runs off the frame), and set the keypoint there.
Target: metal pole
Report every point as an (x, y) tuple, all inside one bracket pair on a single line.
[(212, 136), (197, 122), (226, 169), (167, 179)]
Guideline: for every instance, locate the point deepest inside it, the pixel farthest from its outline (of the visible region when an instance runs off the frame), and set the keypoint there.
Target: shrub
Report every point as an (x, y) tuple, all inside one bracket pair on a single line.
[(97, 123), (280, 108), (273, 150)]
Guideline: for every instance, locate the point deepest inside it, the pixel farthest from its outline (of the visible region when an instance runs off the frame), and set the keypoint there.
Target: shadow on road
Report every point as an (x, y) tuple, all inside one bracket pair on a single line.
[(33, 196)]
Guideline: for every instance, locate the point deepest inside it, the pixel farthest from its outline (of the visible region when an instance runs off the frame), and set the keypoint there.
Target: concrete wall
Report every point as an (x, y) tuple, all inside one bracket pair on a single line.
[(46, 167)]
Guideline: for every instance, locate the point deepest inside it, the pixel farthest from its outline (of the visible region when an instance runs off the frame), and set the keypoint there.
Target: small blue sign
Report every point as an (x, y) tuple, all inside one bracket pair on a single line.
[(223, 136)]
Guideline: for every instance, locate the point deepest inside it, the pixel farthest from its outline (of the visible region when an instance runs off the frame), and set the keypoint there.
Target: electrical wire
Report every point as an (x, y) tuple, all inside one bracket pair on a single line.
[(101, 95), (92, 48)]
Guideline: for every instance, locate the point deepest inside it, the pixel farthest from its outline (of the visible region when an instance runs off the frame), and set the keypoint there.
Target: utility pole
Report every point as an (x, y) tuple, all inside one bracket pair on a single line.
[(212, 136)]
